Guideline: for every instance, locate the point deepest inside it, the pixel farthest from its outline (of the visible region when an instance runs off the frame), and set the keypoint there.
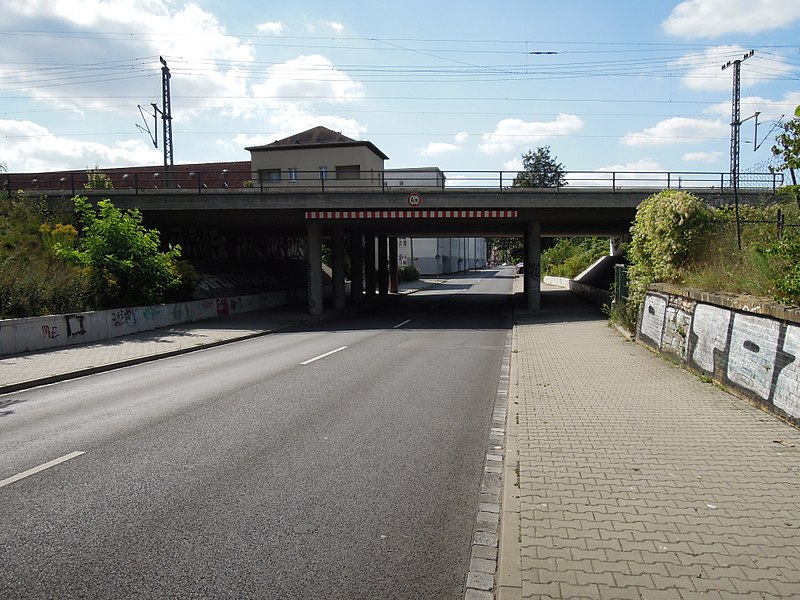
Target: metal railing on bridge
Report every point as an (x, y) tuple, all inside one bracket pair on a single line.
[(143, 180)]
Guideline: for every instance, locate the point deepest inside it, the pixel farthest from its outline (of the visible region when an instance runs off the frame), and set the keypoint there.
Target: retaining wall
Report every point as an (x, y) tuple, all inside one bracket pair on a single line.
[(57, 331), (747, 345), (592, 294)]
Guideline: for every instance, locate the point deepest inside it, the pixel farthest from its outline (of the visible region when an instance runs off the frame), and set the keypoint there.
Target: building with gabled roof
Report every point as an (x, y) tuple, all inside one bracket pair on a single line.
[(318, 154)]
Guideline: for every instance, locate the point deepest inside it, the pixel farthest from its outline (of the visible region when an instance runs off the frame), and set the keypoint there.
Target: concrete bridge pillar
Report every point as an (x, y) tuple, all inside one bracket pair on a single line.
[(338, 267), (393, 259), (314, 267), (356, 267), (383, 266), (369, 264), (533, 270)]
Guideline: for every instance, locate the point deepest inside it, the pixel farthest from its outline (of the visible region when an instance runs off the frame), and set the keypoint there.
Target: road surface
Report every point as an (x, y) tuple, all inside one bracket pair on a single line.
[(342, 461)]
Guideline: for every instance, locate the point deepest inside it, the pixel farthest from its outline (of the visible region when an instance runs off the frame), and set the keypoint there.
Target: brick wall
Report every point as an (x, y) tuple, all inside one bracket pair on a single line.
[(747, 345)]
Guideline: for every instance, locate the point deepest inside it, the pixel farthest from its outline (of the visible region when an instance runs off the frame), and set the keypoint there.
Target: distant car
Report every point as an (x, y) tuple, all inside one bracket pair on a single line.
[(520, 267)]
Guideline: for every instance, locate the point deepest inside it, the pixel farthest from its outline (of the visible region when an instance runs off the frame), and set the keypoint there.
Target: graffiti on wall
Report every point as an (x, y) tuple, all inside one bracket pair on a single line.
[(210, 244), (758, 355), (124, 316), (75, 325)]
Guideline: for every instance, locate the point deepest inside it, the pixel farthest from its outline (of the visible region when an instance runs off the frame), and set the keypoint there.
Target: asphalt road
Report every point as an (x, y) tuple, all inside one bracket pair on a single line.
[(336, 462)]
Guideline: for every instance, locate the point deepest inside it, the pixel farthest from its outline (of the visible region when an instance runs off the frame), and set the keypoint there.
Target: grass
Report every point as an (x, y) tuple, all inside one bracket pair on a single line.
[(762, 267)]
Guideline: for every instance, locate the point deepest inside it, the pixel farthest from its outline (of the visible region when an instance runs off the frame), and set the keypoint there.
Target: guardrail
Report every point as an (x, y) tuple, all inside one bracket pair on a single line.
[(198, 181)]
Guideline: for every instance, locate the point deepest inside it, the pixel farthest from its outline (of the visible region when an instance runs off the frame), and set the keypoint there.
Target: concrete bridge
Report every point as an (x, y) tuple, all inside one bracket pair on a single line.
[(472, 204)]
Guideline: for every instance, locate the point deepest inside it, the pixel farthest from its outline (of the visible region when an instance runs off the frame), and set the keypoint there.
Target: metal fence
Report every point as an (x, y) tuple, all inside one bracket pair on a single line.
[(200, 180)]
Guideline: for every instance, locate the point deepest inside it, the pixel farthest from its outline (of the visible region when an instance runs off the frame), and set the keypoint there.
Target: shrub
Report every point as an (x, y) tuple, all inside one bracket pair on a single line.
[(122, 258), (32, 280), (669, 229), (569, 257), (409, 273)]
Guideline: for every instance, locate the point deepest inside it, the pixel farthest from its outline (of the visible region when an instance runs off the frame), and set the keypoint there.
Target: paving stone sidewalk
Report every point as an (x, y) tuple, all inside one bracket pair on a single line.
[(637, 479)]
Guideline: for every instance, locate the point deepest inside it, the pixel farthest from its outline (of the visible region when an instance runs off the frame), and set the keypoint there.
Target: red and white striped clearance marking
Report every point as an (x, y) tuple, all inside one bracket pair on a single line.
[(411, 214)]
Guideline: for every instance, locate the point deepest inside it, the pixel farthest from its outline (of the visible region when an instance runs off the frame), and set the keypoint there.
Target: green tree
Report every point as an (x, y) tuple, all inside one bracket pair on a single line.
[(787, 149), (509, 249), (122, 257), (540, 170), (570, 256)]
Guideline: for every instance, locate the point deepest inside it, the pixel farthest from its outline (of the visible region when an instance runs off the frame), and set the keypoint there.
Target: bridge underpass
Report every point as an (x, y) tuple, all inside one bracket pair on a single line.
[(358, 218)]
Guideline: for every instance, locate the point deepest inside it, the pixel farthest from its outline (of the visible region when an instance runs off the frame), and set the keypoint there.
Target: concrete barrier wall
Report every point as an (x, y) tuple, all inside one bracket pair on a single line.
[(58, 331), (746, 345), (592, 294)]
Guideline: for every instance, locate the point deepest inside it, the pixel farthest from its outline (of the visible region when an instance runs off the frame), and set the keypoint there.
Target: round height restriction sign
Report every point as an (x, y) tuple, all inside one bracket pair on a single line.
[(414, 199)]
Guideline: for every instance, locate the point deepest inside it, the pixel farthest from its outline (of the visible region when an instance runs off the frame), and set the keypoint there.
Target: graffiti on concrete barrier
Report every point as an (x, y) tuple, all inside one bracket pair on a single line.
[(758, 355), (151, 313), (50, 331), (124, 316), (177, 313), (223, 309), (210, 244), (75, 325)]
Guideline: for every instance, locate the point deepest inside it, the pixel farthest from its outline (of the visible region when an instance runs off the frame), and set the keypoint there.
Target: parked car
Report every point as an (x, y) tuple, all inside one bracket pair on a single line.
[(520, 267)]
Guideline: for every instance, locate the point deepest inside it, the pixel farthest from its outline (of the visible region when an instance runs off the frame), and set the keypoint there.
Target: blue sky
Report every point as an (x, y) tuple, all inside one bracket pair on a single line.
[(616, 85)]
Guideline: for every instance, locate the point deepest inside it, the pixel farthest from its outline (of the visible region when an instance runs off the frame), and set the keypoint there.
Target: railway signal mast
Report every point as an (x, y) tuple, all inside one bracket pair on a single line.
[(735, 126), (166, 119)]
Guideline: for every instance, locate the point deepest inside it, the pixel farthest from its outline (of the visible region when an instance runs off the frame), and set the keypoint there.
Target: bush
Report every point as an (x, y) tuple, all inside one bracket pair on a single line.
[(33, 281), (569, 257), (122, 258), (409, 273), (670, 228)]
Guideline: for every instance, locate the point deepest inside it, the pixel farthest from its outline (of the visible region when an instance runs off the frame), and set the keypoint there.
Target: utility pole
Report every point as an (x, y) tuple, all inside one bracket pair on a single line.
[(166, 119), (166, 116), (735, 126)]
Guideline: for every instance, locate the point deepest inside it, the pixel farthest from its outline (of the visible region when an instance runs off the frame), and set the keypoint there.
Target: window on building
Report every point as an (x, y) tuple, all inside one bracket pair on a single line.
[(323, 173), (292, 174), (348, 172), (270, 175)]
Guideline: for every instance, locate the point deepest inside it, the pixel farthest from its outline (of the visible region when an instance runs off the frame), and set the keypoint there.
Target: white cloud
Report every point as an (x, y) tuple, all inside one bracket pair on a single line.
[(290, 122), (643, 165), (643, 172), (515, 133), (29, 147), (704, 69), (768, 109), (307, 80), (713, 18), (204, 60), (337, 27), (702, 157), (677, 130), (438, 148), (271, 28)]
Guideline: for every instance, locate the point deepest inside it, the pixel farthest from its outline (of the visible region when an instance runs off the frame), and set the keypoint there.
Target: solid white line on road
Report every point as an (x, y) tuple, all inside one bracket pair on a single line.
[(47, 465), (310, 360), (399, 325)]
